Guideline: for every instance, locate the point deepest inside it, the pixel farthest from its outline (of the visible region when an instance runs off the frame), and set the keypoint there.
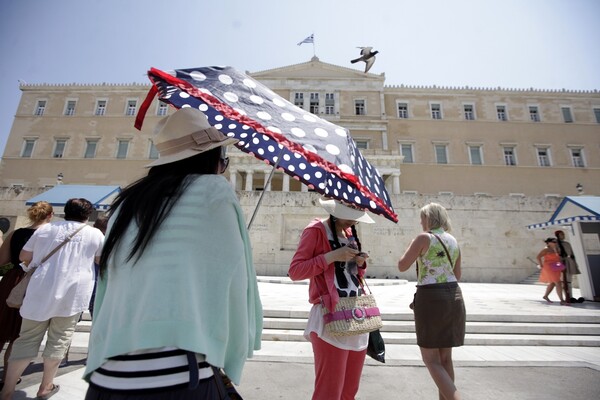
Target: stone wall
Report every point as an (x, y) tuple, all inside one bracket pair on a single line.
[(492, 231)]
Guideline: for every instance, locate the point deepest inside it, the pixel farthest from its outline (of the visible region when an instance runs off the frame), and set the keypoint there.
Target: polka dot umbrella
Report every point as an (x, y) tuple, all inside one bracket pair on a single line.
[(318, 153)]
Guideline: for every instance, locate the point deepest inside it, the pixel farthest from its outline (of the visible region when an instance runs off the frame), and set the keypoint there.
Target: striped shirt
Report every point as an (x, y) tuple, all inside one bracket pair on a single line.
[(149, 370)]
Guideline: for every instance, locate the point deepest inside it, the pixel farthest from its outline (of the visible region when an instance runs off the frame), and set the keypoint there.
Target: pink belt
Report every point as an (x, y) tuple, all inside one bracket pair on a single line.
[(358, 313)]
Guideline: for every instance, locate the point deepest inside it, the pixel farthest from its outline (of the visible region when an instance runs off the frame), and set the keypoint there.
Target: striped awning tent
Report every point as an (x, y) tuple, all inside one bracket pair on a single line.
[(573, 209)]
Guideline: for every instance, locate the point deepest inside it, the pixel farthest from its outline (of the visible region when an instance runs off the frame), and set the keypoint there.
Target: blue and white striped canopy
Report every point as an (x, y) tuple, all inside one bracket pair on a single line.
[(573, 209)]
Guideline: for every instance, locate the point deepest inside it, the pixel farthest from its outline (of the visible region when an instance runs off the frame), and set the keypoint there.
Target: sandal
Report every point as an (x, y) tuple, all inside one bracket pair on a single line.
[(547, 299), (55, 389)]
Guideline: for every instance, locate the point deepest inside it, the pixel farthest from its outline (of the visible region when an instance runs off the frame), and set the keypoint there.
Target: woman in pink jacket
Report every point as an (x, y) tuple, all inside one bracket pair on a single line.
[(323, 256)]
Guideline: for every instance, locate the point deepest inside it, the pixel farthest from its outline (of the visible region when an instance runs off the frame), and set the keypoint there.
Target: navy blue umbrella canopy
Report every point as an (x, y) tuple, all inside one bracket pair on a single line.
[(318, 153)]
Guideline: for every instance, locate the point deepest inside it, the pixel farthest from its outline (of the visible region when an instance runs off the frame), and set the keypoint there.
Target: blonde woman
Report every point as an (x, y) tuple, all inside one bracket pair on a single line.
[(39, 214), (440, 315)]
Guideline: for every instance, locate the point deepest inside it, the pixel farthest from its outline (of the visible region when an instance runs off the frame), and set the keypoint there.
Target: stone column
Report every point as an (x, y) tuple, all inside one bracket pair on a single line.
[(233, 178), (396, 182), (249, 178), (286, 183)]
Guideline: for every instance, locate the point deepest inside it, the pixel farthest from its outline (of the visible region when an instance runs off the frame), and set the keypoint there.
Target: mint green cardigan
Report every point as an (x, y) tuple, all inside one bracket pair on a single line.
[(194, 287)]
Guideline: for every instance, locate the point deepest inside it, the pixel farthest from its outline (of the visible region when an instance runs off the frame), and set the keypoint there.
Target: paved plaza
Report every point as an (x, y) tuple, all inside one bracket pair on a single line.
[(283, 369)]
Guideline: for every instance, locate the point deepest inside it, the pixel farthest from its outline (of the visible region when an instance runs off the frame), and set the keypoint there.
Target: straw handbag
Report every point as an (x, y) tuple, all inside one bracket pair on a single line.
[(353, 316)]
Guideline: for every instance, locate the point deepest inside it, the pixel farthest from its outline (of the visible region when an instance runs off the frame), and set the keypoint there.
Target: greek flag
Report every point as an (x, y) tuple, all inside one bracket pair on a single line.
[(309, 39)]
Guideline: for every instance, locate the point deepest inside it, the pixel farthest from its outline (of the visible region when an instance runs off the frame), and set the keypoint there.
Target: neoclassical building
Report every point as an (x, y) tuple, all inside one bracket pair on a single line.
[(428, 142)]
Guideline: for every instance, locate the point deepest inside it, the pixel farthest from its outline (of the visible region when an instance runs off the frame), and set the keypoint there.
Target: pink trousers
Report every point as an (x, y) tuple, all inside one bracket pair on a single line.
[(337, 371)]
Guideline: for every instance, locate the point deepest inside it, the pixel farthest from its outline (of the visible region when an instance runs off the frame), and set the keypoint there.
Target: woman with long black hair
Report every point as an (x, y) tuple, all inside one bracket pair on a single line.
[(177, 297)]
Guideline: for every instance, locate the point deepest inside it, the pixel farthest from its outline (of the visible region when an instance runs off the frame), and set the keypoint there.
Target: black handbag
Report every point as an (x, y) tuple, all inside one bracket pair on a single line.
[(376, 348)]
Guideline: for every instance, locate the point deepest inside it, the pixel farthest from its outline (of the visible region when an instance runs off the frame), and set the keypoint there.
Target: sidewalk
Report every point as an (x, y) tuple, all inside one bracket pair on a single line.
[(284, 370)]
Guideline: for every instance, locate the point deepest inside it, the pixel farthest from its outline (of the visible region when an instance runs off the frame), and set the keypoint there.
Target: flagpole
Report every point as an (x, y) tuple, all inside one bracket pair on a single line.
[(313, 43)]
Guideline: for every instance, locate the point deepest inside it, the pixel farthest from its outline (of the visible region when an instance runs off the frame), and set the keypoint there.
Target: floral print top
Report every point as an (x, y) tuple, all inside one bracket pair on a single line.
[(434, 266)]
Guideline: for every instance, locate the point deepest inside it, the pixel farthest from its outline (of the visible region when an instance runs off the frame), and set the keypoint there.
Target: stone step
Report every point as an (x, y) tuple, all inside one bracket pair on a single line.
[(472, 327), (471, 339)]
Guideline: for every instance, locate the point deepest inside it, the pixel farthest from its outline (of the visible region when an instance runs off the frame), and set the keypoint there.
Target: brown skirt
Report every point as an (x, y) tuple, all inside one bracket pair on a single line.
[(440, 316)]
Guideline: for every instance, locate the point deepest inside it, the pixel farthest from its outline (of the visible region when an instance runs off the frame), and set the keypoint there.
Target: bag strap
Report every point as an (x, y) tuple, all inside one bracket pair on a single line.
[(445, 249), (83, 225)]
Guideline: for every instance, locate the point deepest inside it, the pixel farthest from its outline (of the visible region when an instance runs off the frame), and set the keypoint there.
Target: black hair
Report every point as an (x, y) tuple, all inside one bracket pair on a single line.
[(78, 210), (148, 201)]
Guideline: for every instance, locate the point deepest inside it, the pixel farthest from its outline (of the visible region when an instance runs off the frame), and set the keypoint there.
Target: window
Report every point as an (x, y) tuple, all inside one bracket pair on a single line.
[(59, 148), (100, 107), (407, 152), (359, 107), (329, 104), (436, 111), (362, 144), (402, 110), (27, 150), (577, 158), (597, 114), (469, 112), (122, 147), (153, 152), (534, 114), (441, 154), (543, 155), (566, 113), (510, 157), (475, 155), (161, 110), (501, 113), (131, 107), (40, 108), (299, 100), (314, 103), (90, 148), (70, 107)]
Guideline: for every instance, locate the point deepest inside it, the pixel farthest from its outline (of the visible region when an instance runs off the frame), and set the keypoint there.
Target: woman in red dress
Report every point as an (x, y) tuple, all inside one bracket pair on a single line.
[(546, 258)]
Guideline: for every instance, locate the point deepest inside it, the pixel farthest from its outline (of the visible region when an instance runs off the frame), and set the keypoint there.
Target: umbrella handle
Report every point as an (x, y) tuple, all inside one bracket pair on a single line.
[(264, 189)]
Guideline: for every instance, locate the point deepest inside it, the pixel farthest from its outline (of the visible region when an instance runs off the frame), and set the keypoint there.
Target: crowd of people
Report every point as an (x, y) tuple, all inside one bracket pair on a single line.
[(173, 318)]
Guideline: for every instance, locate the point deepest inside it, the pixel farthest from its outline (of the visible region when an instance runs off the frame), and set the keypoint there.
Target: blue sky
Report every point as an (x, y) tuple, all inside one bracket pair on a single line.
[(545, 44)]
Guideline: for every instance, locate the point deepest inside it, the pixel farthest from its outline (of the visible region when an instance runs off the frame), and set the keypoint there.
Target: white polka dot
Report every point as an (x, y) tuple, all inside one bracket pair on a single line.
[(219, 117), (184, 95), (261, 152), (186, 106), (309, 118), (306, 177), (287, 157), (245, 127), (278, 102), (197, 76), (357, 200), (274, 129), (322, 186), (244, 135), (298, 132), (263, 115), (250, 83), (231, 97), (297, 155), (373, 205), (218, 126), (335, 192), (255, 141), (345, 168), (339, 185), (318, 174), (345, 196), (225, 79), (321, 132), (341, 132), (256, 99), (271, 148), (332, 149), (310, 147), (292, 168), (232, 126), (288, 117), (203, 107)]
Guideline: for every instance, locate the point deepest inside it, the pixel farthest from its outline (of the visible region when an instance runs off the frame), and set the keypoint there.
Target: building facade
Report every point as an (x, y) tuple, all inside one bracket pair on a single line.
[(473, 144)]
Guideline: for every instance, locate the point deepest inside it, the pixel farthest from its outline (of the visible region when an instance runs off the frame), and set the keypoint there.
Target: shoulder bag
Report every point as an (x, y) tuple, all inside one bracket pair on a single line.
[(17, 294), (353, 315)]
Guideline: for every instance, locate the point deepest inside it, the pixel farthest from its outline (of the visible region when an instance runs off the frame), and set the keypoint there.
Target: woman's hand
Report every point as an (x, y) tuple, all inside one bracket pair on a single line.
[(343, 254), (361, 258)]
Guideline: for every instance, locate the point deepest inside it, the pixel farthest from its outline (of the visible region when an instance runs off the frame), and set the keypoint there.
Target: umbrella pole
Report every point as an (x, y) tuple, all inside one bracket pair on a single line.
[(265, 188)]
